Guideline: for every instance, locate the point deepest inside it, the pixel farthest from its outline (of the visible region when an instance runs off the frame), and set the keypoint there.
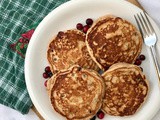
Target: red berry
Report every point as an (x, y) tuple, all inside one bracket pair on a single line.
[(45, 75), (142, 57), (138, 62), (79, 26), (85, 28), (47, 69), (50, 74), (100, 115), (45, 83), (89, 21)]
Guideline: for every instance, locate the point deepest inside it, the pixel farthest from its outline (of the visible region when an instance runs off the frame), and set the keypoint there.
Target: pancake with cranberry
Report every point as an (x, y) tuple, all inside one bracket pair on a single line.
[(76, 93), (68, 48), (126, 89), (112, 39)]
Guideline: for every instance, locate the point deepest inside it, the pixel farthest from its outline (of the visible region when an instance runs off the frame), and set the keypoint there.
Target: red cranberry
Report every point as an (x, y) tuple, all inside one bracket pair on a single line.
[(89, 21), (138, 62), (45, 83), (47, 69), (50, 74), (45, 75), (100, 115), (142, 57), (85, 28), (79, 26)]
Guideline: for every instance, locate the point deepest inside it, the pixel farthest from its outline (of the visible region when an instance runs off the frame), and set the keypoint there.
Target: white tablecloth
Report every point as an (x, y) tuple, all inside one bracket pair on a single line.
[(151, 6), (7, 113)]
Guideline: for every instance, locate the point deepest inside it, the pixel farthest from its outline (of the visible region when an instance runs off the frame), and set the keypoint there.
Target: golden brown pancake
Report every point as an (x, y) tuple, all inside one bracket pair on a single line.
[(126, 89), (68, 48), (112, 39), (76, 93)]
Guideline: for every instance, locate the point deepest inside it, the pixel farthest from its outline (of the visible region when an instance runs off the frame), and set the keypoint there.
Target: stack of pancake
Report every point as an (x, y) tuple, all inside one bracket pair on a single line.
[(76, 90)]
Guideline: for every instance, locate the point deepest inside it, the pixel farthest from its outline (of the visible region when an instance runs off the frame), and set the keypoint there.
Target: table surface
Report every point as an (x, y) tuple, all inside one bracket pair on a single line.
[(35, 110)]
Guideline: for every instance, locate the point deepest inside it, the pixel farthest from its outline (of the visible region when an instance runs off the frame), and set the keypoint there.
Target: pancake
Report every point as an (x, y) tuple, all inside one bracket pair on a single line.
[(68, 48), (112, 39), (126, 89), (76, 93)]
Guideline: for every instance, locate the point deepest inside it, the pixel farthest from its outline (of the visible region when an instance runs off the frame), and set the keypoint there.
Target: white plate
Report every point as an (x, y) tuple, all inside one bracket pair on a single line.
[(66, 17)]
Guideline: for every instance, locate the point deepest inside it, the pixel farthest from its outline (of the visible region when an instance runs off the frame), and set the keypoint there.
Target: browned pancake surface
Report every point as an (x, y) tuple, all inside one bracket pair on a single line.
[(126, 89), (76, 93), (113, 39), (68, 48)]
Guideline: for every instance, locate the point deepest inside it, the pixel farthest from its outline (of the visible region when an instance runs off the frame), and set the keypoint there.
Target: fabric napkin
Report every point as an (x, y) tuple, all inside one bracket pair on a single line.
[(18, 19)]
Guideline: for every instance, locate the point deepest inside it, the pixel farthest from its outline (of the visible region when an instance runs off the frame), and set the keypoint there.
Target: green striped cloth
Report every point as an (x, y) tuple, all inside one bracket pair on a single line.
[(17, 17)]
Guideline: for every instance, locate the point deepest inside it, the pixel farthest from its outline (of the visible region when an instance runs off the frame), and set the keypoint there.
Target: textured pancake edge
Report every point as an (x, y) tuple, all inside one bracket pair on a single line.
[(127, 65), (108, 17), (87, 44), (51, 81), (50, 62)]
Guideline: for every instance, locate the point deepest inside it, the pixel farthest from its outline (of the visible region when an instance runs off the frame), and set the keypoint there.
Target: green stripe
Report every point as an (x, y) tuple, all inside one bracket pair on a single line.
[(17, 17)]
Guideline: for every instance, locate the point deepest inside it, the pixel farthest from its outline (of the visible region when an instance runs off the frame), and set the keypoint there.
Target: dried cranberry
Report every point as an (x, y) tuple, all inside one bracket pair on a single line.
[(79, 26), (89, 21), (142, 57), (138, 62), (100, 114), (50, 74), (45, 75), (47, 69), (85, 28)]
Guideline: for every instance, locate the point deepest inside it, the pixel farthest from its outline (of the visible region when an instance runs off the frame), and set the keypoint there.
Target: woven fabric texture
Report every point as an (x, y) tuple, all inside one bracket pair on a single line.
[(17, 17)]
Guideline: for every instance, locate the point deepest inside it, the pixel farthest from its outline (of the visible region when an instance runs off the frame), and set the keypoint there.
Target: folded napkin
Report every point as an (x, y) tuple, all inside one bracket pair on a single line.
[(18, 19)]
